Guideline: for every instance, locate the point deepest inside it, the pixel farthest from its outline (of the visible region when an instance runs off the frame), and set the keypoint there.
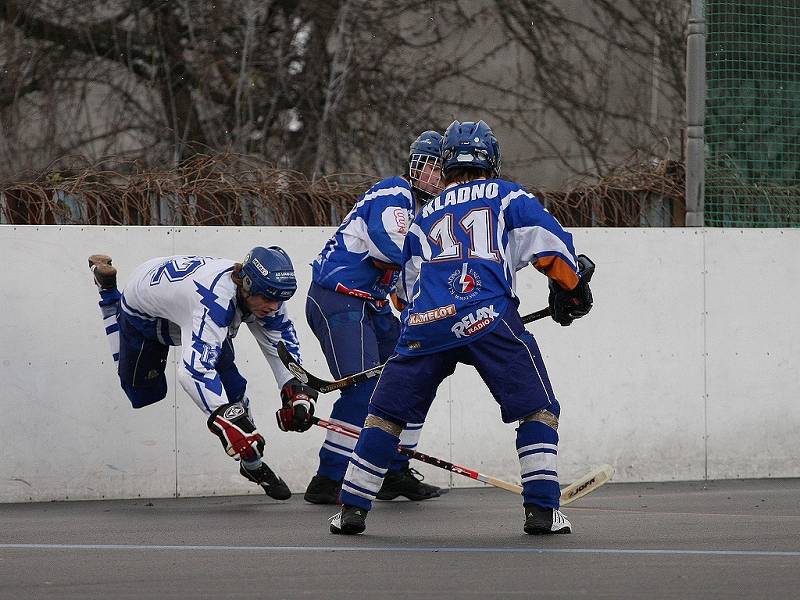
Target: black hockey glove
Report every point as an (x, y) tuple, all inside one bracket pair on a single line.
[(568, 305), (298, 406)]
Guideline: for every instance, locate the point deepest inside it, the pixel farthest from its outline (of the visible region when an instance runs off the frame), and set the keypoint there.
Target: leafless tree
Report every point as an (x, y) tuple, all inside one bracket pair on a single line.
[(331, 86)]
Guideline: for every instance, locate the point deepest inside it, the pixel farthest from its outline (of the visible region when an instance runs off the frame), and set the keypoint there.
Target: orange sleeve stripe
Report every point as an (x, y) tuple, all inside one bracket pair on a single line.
[(559, 270)]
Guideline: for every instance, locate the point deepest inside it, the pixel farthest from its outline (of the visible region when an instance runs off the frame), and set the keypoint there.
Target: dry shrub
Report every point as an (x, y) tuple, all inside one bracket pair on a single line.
[(237, 190)]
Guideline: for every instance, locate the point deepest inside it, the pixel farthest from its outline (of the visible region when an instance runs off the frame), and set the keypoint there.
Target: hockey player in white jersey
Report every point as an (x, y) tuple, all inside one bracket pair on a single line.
[(198, 303), (459, 262), (348, 310)]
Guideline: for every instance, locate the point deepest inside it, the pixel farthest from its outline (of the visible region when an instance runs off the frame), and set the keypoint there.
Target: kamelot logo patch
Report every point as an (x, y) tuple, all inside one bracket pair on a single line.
[(475, 321), (440, 312), (465, 283)]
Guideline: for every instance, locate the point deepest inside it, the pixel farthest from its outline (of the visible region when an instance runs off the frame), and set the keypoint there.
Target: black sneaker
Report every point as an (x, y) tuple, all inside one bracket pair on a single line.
[(539, 520), (408, 483), (323, 490), (273, 485), (105, 275), (351, 520)]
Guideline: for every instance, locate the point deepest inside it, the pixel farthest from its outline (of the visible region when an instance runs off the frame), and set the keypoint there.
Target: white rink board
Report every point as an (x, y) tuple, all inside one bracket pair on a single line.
[(635, 387), (68, 430), (630, 370), (753, 339)]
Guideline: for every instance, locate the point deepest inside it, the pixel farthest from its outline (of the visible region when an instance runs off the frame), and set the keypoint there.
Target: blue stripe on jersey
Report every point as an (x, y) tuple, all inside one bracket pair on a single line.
[(460, 256), (373, 229), (133, 311), (219, 276), (213, 384), (221, 315), (202, 397)]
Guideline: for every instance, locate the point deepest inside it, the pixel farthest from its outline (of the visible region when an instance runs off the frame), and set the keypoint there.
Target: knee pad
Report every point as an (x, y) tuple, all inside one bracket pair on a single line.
[(383, 424), (542, 416), (232, 424)]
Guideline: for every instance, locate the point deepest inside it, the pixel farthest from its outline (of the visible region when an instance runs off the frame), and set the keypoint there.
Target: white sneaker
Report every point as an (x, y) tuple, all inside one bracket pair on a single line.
[(540, 520), (349, 521)]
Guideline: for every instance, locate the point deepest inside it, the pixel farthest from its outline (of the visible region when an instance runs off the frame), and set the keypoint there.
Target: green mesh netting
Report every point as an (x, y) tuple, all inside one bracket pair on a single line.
[(752, 125)]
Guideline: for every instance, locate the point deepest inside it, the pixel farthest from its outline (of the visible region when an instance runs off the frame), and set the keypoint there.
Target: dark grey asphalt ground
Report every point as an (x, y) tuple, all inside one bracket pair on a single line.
[(727, 539)]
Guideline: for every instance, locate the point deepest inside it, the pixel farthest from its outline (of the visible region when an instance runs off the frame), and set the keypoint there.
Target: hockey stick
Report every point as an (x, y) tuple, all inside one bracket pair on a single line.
[(431, 460), (535, 316), (324, 386), (321, 385), (585, 485)]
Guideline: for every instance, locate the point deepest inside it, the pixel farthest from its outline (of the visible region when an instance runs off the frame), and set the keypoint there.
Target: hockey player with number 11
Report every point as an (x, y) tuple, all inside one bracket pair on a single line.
[(459, 262)]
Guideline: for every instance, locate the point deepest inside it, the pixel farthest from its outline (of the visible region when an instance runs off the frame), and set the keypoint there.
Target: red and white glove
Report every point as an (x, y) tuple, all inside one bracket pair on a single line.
[(298, 401)]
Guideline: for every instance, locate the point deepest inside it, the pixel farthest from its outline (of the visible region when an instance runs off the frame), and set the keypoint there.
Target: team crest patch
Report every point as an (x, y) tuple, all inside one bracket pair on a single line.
[(237, 410), (210, 355), (465, 283), (401, 219)]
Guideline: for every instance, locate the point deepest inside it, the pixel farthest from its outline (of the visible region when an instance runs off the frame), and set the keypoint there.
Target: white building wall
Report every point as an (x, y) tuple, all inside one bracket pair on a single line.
[(685, 369)]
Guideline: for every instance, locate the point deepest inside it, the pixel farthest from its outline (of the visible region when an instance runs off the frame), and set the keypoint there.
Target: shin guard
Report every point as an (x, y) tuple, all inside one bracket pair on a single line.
[(409, 439), (109, 303), (368, 466), (537, 448)]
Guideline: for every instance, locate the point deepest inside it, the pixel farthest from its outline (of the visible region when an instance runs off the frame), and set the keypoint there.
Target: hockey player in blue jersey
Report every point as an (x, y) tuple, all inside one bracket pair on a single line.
[(459, 261), (349, 312), (198, 303)]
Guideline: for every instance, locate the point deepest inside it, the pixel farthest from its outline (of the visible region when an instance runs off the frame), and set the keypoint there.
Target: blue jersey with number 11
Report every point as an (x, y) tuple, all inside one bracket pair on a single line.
[(461, 255)]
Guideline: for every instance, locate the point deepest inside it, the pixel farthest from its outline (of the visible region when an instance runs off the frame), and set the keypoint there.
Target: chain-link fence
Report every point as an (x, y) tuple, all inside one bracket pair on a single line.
[(752, 124)]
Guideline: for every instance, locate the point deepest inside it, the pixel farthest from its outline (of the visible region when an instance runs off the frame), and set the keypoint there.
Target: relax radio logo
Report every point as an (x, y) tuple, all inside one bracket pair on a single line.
[(465, 283)]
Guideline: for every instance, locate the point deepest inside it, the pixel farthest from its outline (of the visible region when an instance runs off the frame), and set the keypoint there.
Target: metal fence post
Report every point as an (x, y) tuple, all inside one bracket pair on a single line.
[(695, 114)]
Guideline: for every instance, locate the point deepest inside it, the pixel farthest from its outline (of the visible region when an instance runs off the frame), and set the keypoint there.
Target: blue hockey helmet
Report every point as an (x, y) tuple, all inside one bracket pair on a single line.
[(425, 164), (470, 144), (268, 272), (429, 143)]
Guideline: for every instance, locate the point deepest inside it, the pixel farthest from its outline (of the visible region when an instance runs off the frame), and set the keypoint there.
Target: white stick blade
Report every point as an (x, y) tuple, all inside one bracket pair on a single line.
[(587, 484)]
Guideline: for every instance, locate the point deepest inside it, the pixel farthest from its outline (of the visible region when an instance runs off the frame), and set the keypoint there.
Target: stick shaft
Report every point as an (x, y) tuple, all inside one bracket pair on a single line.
[(324, 386), (535, 316), (577, 489), (431, 460)]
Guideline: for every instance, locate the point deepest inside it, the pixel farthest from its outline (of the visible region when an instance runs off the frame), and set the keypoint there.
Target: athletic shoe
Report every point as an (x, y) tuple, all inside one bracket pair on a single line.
[(351, 520), (539, 520), (273, 485), (323, 490), (105, 276), (408, 483)]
